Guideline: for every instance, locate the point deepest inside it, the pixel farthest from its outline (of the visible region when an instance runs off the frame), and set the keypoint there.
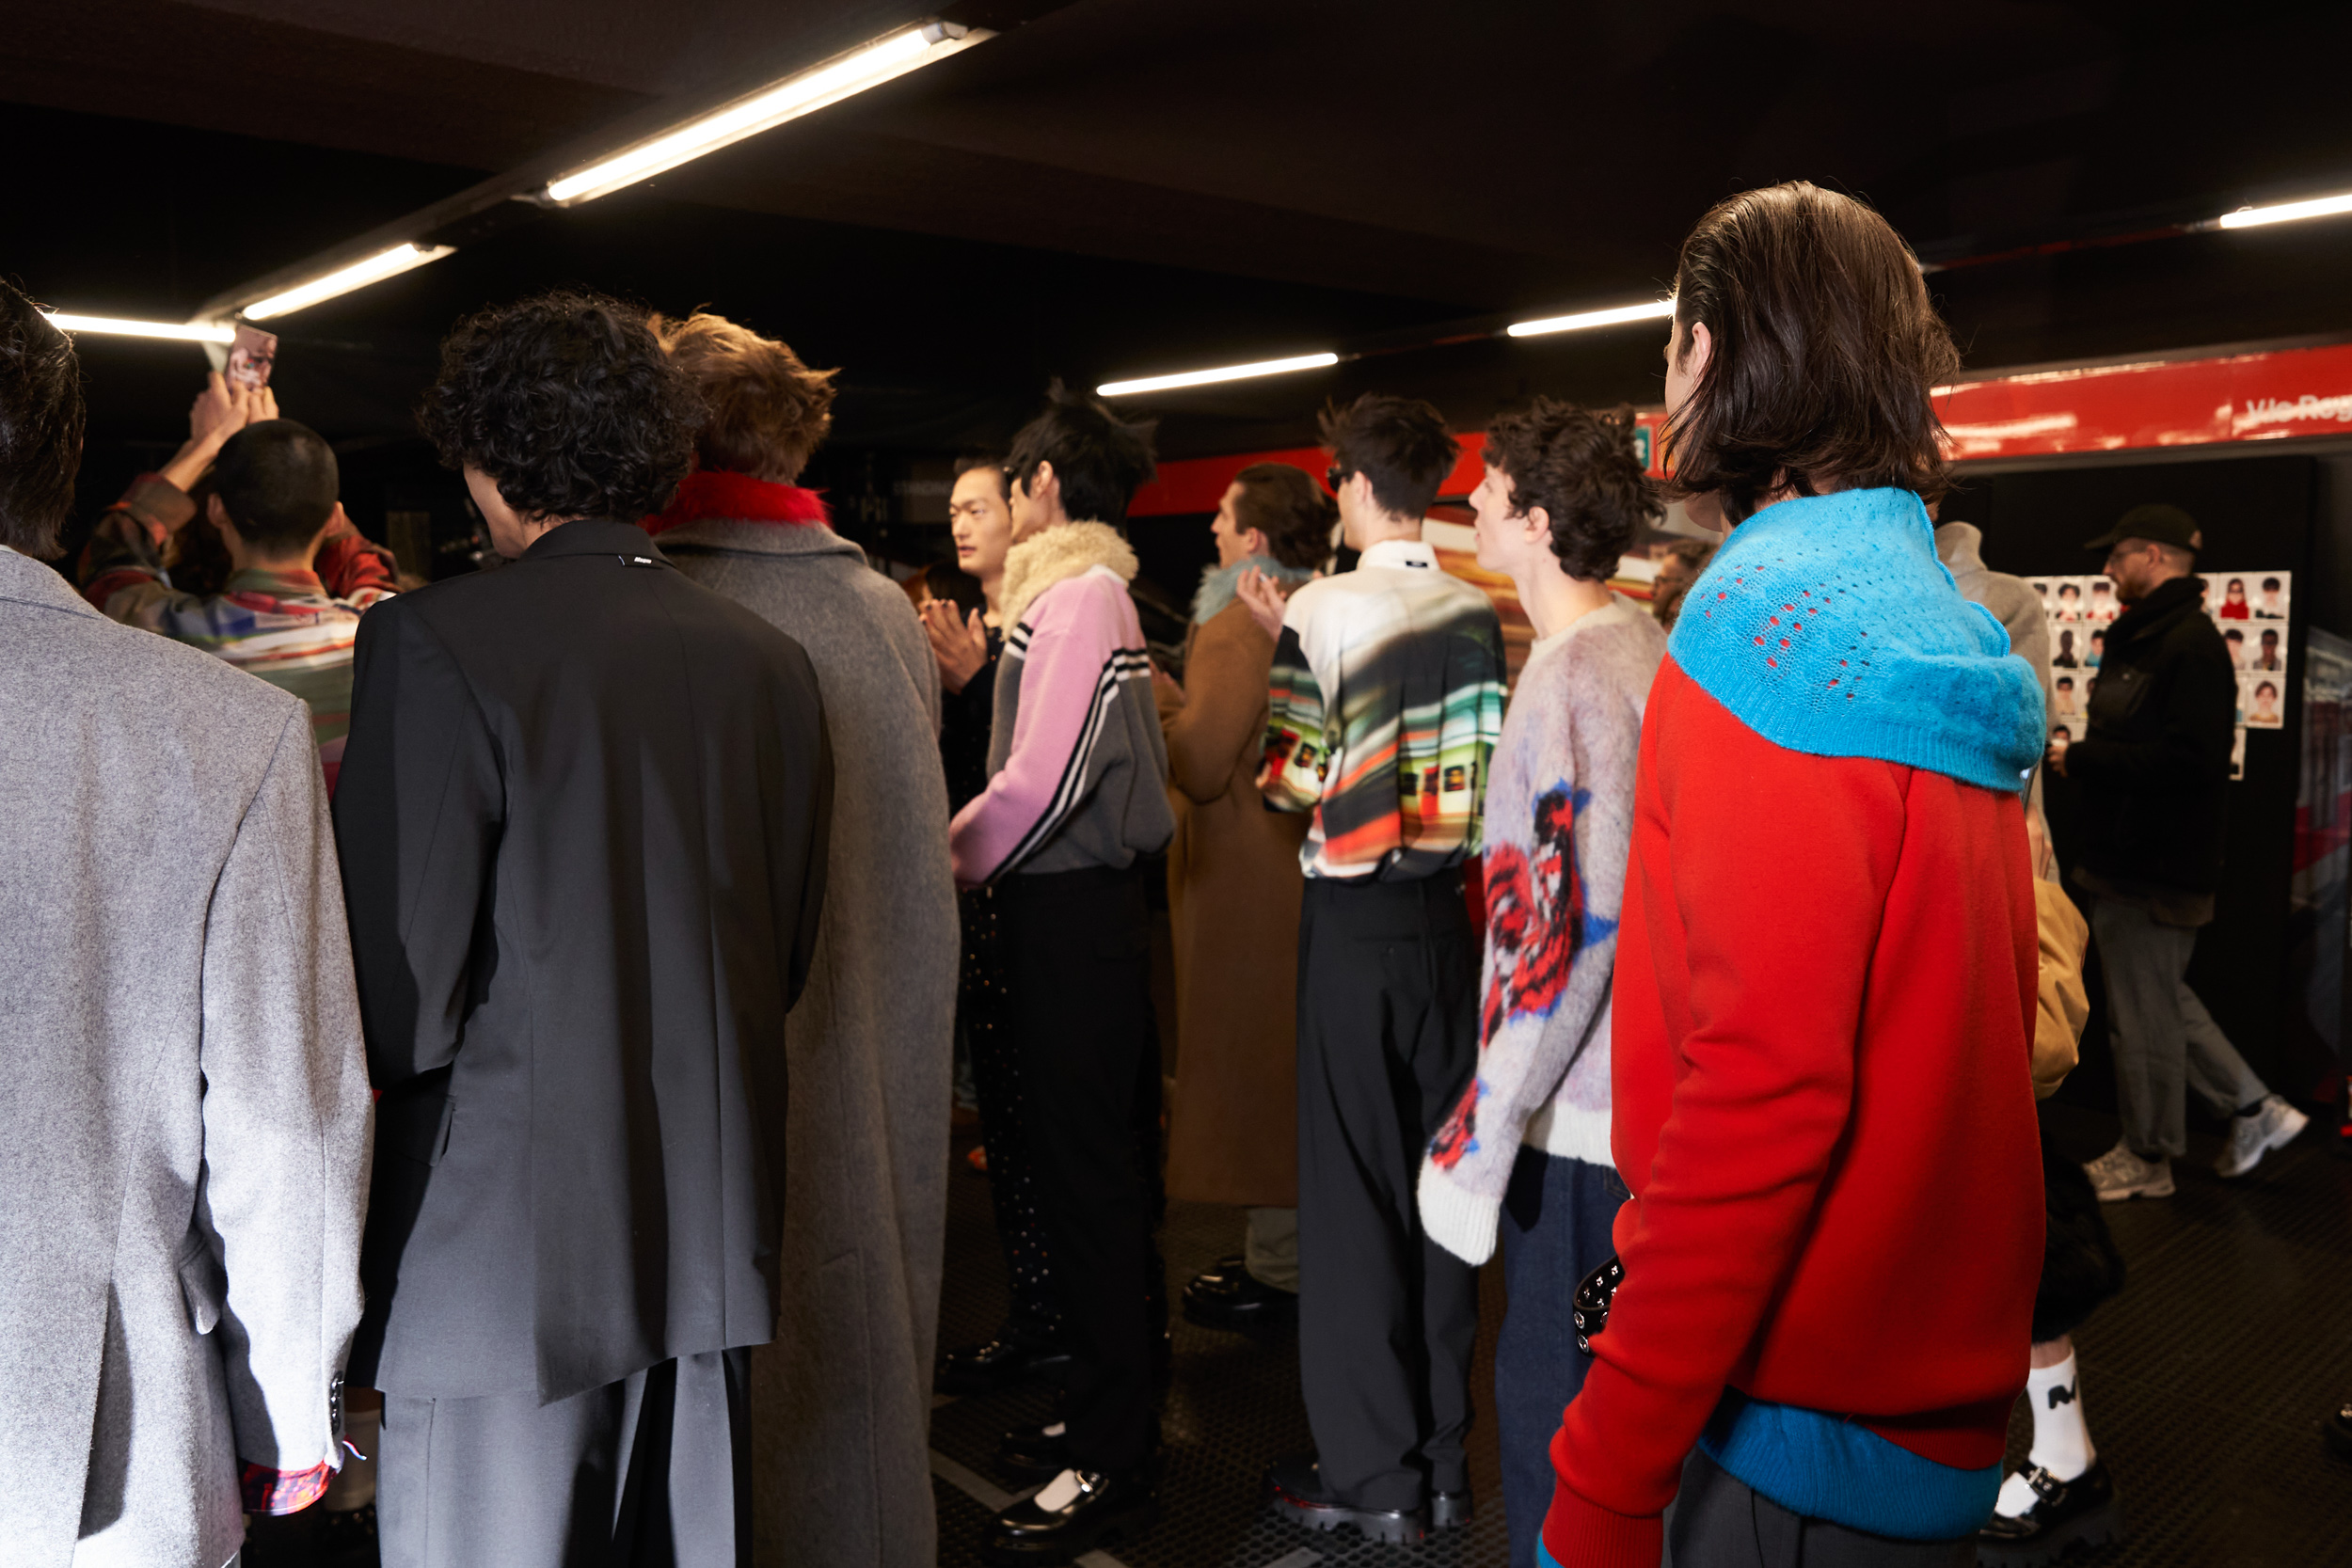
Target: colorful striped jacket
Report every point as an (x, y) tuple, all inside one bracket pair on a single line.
[(292, 629), (1384, 707)]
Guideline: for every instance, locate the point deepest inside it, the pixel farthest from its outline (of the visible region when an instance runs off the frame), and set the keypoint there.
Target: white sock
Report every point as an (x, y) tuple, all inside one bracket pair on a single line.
[(2062, 1437)]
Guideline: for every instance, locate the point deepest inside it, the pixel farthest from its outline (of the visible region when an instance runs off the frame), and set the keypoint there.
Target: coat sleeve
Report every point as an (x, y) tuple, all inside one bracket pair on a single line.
[(1776, 1007), (1225, 699), (287, 1116), (418, 807)]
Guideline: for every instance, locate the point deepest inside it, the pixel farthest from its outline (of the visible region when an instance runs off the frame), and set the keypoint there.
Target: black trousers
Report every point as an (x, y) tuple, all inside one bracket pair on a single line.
[(653, 1471), (1035, 1317), (1078, 1004), (1718, 1522), (1388, 1037)]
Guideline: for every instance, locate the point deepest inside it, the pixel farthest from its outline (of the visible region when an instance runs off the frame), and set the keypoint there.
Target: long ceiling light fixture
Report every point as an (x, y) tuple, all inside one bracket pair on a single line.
[(868, 66), (358, 275), (1223, 372), (2285, 211), (186, 332), (1651, 311)]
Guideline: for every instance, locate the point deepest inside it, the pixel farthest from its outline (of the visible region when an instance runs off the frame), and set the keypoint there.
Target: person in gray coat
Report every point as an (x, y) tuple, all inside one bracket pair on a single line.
[(841, 1399), (184, 1142)]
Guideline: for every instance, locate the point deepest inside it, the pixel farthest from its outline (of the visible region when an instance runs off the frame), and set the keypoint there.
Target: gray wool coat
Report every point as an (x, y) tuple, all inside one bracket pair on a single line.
[(183, 1138), (841, 1400)]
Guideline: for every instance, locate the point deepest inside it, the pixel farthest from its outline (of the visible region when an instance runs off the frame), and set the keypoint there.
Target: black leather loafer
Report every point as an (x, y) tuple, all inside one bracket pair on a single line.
[(2339, 1430), (1300, 1496), (2065, 1514), (1108, 1507), (1239, 1303), (1000, 1364), (1220, 1271), (1041, 1452)]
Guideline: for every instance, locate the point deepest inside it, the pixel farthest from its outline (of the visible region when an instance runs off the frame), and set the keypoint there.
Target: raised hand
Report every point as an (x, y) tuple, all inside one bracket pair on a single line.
[(960, 647), (1263, 597)]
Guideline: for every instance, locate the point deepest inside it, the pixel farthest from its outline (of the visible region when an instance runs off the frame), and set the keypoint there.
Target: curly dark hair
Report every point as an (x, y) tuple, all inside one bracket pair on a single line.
[(1580, 467), (1291, 511), (1825, 347), (40, 426), (1100, 459), (569, 404), (1401, 444)]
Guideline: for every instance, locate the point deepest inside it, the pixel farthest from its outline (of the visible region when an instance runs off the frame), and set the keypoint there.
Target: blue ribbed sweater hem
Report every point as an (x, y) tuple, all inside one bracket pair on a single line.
[(1825, 1467), (1827, 626)]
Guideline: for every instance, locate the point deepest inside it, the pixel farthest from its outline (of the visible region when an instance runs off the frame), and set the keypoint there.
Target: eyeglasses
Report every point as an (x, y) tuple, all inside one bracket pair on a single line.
[(1337, 475)]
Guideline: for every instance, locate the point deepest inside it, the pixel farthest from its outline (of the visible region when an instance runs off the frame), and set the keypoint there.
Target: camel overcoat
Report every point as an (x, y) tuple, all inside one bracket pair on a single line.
[(841, 1399), (1234, 888)]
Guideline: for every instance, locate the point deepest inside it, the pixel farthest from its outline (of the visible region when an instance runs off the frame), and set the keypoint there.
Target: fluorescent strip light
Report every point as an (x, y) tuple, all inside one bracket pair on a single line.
[(1226, 373), (383, 264), (2286, 212), (868, 66), (1651, 311), (191, 332)]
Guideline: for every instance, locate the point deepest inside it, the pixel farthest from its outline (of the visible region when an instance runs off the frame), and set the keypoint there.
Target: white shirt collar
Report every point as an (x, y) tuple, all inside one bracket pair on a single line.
[(1414, 554)]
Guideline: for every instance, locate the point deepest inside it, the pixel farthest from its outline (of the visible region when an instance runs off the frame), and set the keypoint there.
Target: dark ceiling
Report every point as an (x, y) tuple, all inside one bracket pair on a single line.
[(1123, 187)]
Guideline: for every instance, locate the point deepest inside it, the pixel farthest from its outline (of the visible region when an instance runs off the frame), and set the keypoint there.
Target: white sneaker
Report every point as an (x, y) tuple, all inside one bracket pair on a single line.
[(2119, 1174), (2274, 1124)]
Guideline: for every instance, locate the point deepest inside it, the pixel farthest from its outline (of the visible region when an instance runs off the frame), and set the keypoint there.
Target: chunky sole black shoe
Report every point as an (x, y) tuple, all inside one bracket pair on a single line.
[(2066, 1516), (998, 1365), (1238, 1303), (1295, 1488), (1449, 1510), (1107, 1509)]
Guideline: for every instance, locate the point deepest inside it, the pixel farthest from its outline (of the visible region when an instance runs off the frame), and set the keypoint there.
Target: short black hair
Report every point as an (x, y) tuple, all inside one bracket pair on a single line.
[(2270, 583), (2270, 634), (1580, 467), (568, 404), (1400, 444), (1100, 459), (40, 426), (278, 483), (988, 462)]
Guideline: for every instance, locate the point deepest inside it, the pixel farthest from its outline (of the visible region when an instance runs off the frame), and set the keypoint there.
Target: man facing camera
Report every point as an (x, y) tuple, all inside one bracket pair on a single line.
[(583, 816)]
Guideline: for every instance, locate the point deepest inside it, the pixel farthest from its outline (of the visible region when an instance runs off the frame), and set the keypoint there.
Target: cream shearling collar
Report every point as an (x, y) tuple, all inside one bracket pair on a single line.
[(1057, 555)]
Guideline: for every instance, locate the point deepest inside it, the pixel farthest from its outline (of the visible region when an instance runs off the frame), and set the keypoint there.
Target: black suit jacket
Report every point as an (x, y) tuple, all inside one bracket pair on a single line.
[(583, 817)]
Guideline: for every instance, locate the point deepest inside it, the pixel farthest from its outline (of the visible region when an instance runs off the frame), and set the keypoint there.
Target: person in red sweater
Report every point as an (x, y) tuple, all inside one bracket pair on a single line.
[(1825, 981)]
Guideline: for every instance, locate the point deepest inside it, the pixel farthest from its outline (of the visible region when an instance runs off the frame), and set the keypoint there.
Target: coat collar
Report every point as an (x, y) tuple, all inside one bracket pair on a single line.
[(33, 583), (595, 536), (714, 493), (1060, 553), (2153, 614)]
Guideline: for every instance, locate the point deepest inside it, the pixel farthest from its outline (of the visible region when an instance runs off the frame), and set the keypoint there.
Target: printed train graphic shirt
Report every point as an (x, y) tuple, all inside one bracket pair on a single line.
[(1385, 707)]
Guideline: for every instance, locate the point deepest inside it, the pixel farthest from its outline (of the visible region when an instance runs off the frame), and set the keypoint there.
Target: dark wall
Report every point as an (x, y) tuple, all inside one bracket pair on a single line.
[(2257, 513)]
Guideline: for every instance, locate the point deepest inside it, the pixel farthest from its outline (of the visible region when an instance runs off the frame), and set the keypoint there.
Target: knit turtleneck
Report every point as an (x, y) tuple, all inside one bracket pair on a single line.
[(715, 492)]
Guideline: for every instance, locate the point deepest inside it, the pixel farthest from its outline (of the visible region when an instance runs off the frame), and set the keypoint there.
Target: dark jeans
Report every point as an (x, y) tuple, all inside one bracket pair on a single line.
[(1556, 1216), (1079, 1007), (1718, 1522), (1387, 1035)]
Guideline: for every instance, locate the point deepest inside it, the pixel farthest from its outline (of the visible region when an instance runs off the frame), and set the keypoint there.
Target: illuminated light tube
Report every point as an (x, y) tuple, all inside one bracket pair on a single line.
[(1583, 319), (188, 332), (383, 264), (868, 66), (1224, 373), (2286, 212)]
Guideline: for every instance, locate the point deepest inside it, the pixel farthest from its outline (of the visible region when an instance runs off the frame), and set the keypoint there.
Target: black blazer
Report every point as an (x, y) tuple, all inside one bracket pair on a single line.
[(2152, 771), (583, 817)]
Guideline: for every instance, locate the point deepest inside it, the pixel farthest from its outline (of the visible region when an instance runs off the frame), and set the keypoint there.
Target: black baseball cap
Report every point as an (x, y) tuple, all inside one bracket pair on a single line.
[(2165, 525)]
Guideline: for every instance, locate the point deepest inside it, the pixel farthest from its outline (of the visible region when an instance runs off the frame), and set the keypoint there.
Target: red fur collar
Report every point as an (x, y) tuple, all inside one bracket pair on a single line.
[(739, 498)]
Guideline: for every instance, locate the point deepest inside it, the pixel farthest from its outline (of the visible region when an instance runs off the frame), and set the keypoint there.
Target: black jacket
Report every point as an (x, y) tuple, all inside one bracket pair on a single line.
[(583, 819), (2152, 771)]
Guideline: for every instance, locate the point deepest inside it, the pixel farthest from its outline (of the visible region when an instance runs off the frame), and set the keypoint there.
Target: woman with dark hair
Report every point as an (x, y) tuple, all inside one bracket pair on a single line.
[(1827, 960), (1233, 890), (841, 1400)]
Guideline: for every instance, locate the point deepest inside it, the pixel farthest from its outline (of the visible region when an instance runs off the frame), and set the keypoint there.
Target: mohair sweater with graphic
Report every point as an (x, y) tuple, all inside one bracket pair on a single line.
[(1559, 818)]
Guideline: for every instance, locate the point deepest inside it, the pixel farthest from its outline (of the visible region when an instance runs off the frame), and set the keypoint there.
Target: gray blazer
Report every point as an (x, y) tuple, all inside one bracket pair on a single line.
[(185, 1129), (841, 1399)]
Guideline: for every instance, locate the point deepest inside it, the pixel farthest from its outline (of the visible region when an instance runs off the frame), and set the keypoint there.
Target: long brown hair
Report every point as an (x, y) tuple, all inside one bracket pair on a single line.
[(1825, 345)]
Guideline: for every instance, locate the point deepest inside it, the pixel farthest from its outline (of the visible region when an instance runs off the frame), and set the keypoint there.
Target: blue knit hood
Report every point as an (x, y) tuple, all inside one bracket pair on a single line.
[(1827, 626)]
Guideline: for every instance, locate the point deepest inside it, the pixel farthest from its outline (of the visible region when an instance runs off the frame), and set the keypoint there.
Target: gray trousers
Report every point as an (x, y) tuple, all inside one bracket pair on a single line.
[(1718, 1522), (2163, 1039), (649, 1472)]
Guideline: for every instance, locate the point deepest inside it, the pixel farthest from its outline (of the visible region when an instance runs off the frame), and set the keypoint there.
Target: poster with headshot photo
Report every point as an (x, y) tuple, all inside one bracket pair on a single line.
[(2262, 701), (2266, 649), (2233, 637), (2061, 736), (2269, 594), (2067, 601), (2067, 694), (2100, 604)]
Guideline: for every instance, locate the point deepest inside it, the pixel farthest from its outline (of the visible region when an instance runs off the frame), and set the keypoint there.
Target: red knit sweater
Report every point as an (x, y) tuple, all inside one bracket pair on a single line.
[(1823, 1007)]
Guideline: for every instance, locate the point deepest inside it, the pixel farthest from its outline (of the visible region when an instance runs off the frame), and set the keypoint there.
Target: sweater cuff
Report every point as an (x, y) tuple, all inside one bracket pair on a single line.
[(1456, 1219), (1579, 1534)]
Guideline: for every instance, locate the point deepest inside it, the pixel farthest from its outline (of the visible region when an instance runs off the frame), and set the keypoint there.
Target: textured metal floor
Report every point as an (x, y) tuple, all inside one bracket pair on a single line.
[(2205, 1383)]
